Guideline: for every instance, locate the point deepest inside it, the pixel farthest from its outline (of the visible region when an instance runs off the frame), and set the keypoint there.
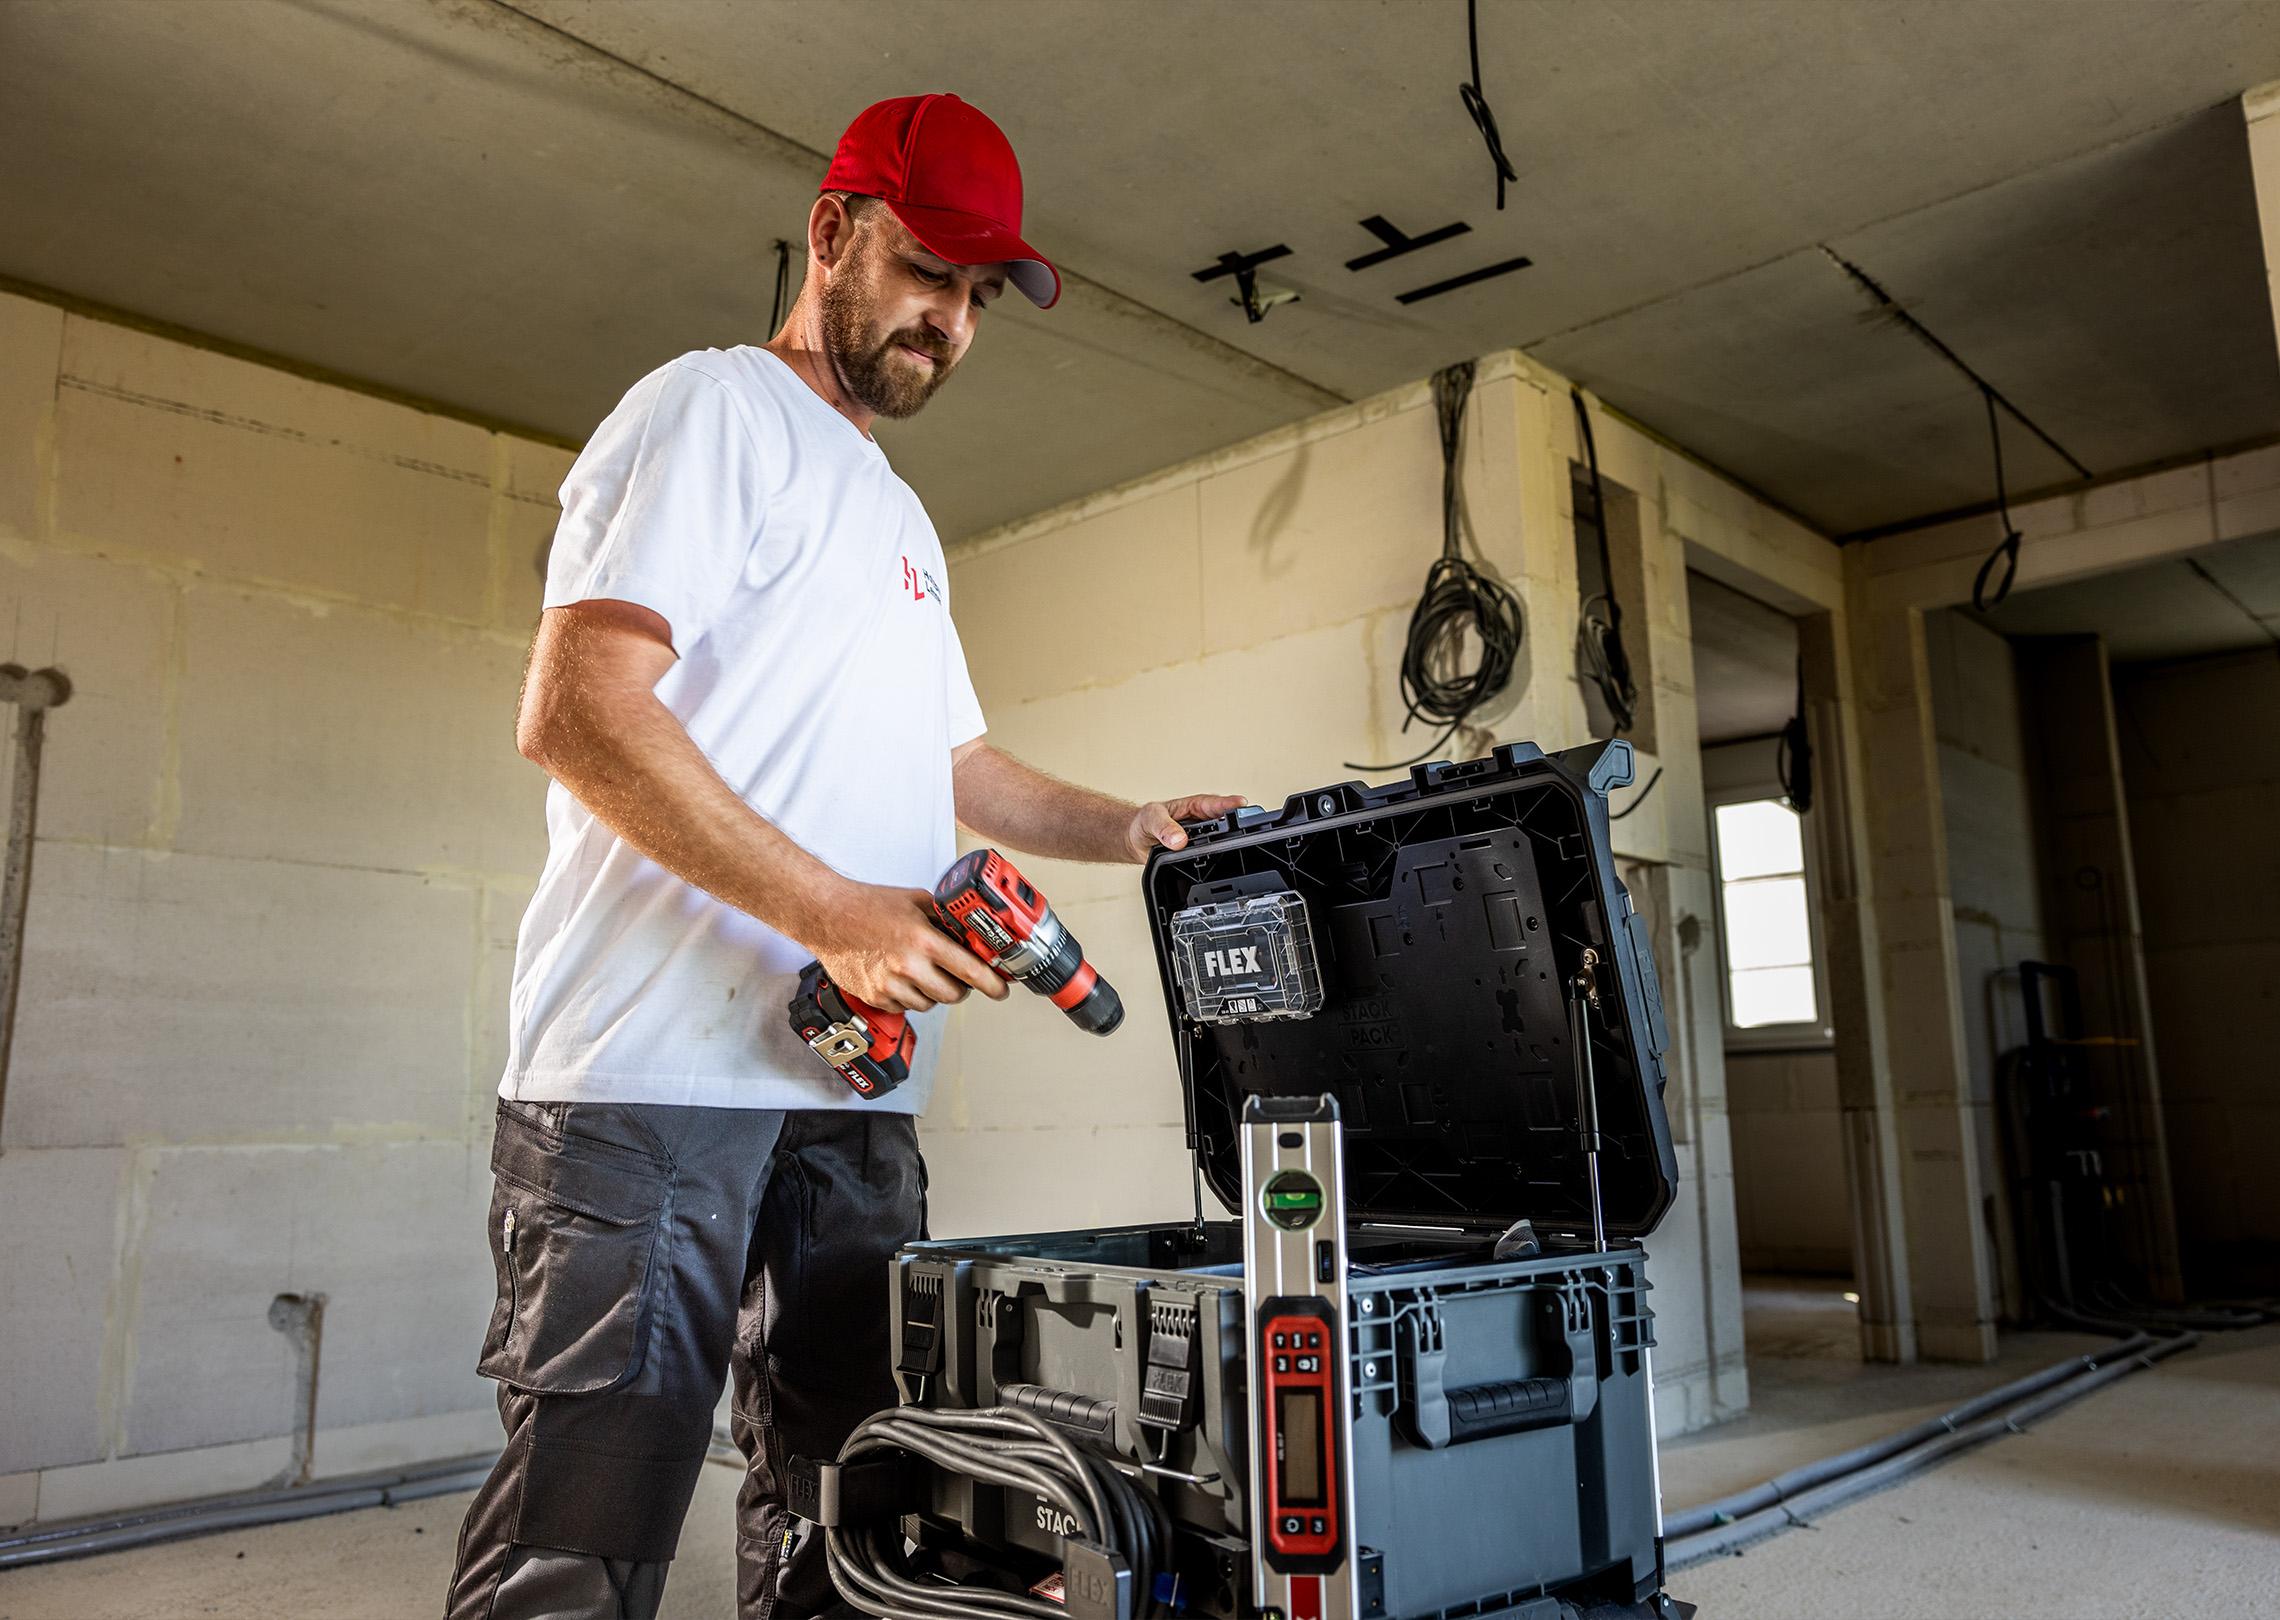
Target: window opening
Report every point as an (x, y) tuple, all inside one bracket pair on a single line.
[(1766, 906)]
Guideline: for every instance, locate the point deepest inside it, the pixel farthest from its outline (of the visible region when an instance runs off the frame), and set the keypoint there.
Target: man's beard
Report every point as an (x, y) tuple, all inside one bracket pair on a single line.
[(882, 379)]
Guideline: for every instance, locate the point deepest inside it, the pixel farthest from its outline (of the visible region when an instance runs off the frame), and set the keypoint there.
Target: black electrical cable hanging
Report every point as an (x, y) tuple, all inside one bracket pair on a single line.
[(1637, 798), (2006, 549), (1476, 104), (1458, 597), (1600, 635), (783, 281), (1793, 755)]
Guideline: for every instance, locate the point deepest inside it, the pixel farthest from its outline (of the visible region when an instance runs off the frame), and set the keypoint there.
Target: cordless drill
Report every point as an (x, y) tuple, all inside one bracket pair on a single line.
[(986, 905)]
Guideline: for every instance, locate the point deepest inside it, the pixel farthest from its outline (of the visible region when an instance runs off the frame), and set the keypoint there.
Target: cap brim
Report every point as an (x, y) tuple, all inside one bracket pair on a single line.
[(962, 238)]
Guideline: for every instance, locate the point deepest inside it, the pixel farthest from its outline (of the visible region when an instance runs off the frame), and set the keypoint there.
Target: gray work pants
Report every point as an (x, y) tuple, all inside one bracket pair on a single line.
[(644, 1253)]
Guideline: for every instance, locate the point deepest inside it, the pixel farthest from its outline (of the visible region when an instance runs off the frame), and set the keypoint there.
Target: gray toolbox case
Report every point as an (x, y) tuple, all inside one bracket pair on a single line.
[(1503, 1448)]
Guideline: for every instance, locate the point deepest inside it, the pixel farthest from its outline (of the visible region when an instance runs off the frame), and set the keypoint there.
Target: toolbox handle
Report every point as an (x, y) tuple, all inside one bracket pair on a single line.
[(1439, 1417)]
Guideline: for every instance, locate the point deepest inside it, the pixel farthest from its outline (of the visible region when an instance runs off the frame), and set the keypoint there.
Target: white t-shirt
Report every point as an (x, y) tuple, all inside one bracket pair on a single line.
[(821, 675)]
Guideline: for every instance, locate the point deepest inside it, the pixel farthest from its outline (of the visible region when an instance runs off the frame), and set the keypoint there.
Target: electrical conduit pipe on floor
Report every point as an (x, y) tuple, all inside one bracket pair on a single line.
[(1763, 1510)]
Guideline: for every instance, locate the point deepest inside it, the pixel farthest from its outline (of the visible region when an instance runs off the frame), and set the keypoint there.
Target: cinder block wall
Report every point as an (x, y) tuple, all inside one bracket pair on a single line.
[(284, 843), (2201, 763), (1995, 880), (1235, 624)]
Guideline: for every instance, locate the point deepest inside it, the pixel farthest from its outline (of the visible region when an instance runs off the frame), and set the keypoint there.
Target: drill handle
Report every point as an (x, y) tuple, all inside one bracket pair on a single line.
[(871, 1047)]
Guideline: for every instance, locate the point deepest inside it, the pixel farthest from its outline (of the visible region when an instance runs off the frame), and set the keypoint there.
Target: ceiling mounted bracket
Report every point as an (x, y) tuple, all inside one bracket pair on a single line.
[(1244, 267)]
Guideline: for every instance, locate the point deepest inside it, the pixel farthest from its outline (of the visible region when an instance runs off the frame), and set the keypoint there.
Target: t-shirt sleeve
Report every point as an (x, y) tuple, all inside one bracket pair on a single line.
[(663, 506), (966, 721)]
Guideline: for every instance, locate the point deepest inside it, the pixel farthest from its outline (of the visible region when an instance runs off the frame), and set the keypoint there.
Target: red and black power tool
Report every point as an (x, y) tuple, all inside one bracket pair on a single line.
[(986, 905)]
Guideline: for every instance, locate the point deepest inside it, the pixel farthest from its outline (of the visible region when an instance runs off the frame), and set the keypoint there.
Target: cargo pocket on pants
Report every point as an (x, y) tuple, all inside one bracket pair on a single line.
[(575, 1226)]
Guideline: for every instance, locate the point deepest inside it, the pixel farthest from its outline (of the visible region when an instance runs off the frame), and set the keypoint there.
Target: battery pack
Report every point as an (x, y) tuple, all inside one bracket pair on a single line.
[(1246, 961)]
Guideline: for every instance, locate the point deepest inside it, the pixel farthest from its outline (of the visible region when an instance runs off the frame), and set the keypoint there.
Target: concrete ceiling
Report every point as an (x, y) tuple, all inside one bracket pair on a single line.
[(2221, 600), (1745, 662), (516, 209)]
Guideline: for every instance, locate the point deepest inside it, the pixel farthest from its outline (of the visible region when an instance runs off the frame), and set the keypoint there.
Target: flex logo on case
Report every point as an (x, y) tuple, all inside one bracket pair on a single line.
[(920, 582), (1228, 962)]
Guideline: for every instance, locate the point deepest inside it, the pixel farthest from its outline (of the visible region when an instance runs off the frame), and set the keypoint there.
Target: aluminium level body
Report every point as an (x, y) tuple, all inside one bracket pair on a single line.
[(1294, 1298)]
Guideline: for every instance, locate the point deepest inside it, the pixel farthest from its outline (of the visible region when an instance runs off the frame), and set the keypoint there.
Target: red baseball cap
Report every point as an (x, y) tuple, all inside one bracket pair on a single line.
[(950, 175)]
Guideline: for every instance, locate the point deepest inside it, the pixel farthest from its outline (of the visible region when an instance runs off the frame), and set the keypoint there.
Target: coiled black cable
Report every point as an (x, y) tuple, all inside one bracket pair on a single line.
[(1458, 597), (1005, 1446)]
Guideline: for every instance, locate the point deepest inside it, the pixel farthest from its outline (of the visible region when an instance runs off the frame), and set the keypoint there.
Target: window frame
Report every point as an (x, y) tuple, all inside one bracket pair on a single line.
[(1813, 1035)]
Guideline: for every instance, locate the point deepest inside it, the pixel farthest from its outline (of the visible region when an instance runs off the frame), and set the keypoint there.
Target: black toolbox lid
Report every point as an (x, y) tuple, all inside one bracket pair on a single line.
[(1448, 913)]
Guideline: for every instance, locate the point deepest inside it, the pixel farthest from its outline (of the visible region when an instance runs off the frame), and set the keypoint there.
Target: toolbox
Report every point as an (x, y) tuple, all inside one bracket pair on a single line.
[(1418, 958)]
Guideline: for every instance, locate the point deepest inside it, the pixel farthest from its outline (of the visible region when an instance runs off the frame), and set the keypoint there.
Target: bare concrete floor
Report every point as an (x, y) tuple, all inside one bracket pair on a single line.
[(2156, 1498)]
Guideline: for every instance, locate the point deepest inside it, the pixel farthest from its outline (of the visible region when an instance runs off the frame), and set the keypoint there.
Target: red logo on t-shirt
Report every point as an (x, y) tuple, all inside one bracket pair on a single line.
[(920, 582)]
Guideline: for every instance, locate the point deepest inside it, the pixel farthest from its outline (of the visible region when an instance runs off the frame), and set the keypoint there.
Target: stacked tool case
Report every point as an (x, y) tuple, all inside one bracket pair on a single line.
[(1502, 1446)]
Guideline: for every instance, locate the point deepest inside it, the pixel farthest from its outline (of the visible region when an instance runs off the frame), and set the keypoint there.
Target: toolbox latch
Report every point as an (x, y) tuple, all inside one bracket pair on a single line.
[(1583, 1351), (1424, 1361), (921, 1356), (1166, 1394), (1001, 1324)]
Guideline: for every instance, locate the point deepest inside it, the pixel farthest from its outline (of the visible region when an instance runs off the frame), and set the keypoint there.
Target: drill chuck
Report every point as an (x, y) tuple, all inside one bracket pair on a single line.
[(1063, 976), (992, 908)]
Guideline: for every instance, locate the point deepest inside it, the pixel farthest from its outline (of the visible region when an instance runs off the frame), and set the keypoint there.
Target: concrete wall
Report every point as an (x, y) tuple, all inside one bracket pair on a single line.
[(284, 843), (2201, 764), (1994, 874), (1234, 624), (1790, 1196)]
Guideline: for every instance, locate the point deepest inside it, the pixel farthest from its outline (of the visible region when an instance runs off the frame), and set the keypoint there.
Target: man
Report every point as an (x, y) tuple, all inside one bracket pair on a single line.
[(749, 693)]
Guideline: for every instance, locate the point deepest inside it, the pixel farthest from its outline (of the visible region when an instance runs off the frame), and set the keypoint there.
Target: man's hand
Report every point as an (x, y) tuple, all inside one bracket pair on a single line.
[(1159, 822), (880, 945)]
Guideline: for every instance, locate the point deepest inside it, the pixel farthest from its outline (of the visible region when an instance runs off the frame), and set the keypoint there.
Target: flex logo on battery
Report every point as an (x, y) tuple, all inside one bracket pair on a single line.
[(920, 582), (1226, 963)]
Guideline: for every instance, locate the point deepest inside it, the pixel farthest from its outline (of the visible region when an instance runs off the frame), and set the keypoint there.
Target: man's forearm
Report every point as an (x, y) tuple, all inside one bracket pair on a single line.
[(1010, 803), (627, 759)]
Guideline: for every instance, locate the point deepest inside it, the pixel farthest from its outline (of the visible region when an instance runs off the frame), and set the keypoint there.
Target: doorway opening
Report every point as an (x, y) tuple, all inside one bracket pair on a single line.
[(1793, 1201)]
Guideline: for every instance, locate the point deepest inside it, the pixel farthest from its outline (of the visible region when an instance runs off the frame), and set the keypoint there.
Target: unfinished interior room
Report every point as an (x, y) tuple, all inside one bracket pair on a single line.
[(1139, 809)]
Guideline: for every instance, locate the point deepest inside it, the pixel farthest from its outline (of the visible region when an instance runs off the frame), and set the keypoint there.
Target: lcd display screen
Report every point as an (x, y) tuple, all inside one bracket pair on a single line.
[(1298, 1435)]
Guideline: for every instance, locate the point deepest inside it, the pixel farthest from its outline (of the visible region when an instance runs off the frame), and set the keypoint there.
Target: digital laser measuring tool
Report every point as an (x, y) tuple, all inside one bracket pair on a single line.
[(985, 904)]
